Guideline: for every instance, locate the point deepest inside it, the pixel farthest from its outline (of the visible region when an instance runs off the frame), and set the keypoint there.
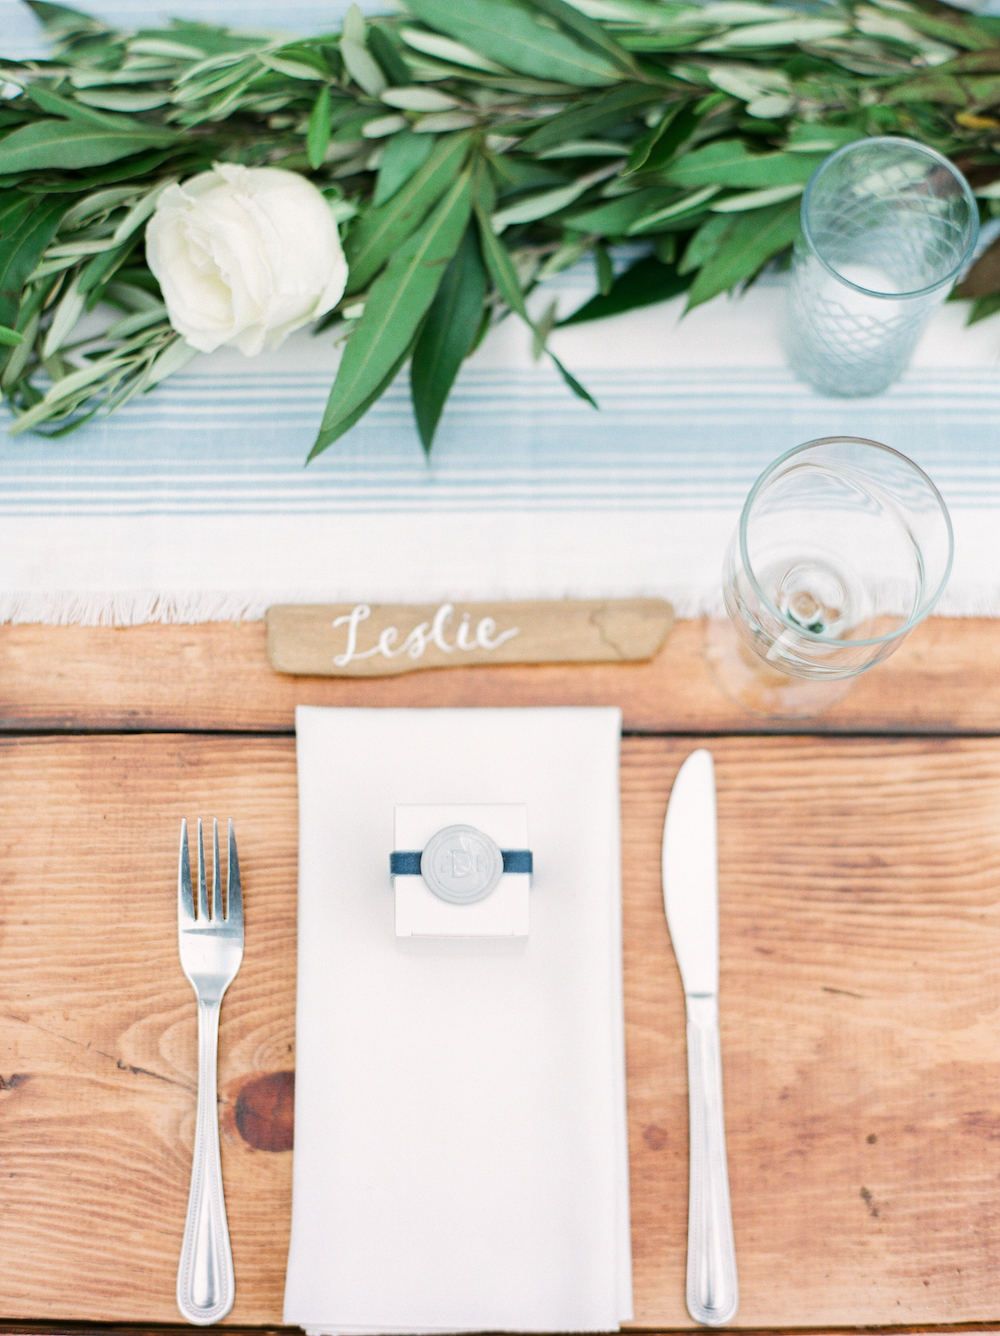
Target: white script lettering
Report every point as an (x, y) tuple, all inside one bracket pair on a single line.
[(485, 636)]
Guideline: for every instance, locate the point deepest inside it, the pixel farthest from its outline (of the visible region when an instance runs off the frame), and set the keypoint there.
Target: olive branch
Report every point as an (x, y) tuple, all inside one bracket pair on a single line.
[(469, 149)]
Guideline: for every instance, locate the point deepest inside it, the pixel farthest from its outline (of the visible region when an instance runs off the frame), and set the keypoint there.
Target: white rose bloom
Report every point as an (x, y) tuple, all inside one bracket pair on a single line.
[(244, 255)]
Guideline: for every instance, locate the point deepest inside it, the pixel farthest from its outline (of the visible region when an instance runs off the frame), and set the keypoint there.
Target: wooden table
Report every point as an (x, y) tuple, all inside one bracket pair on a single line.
[(859, 862)]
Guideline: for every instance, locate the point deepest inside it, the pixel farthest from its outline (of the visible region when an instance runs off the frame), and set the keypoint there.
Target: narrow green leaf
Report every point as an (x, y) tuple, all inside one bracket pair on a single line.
[(101, 267), (362, 67), (605, 269), (587, 148), (63, 106), (157, 46), (61, 21), (500, 266), (511, 171), (131, 324), (10, 336), (509, 34), (65, 316), (542, 328), (807, 137), (17, 359), (447, 335), (639, 151), (102, 202), (415, 98), (579, 390), (138, 165), (345, 423), (528, 208), (21, 249), (577, 22), (405, 153), (320, 124), (766, 35), (644, 283), (64, 389), (983, 307), (705, 242), (15, 208), (73, 144), (293, 69), (754, 199), (684, 208), (443, 48), (380, 231), (616, 217), (173, 357), (385, 51), (140, 211), (672, 131), (354, 27), (440, 121), (748, 244), (727, 162), (742, 12), (610, 109), (113, 99), (395, 307)]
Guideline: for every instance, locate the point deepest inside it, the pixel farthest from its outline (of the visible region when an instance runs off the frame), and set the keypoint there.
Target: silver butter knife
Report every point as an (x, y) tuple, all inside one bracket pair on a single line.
[(691, 900)]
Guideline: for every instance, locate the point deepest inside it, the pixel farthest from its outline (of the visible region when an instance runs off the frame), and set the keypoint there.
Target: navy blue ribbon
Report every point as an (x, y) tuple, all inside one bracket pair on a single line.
[(406, 862)]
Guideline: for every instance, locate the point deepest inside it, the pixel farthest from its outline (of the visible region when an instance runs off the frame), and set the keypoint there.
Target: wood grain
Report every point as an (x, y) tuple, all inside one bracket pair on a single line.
[(215, 676), (860, 1005)]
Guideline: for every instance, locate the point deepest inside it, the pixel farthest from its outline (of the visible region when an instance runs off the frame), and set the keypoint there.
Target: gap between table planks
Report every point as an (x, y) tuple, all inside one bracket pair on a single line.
[(860, 1006), (215, 676)]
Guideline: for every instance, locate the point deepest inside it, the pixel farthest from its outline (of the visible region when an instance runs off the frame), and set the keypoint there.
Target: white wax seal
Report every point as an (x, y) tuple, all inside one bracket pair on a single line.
[(461, 865)]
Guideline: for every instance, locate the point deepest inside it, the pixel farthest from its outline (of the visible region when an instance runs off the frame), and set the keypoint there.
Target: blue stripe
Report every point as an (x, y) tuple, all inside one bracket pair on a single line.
[(509, 440)]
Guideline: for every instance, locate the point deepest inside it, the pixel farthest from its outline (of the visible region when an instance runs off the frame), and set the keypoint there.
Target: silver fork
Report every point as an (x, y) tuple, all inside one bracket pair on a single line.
[(211, 949)]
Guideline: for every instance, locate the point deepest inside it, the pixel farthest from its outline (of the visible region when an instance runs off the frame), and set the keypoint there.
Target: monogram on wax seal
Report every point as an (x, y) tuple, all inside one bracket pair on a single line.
[(371, 640), (461, 865)]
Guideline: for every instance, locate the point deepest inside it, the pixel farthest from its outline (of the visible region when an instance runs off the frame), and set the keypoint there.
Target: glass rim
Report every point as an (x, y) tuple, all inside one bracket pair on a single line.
[(928, 153), (817, 637)]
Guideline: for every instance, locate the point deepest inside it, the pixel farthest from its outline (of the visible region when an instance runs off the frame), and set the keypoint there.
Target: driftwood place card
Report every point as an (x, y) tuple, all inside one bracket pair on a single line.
[(371, 640)]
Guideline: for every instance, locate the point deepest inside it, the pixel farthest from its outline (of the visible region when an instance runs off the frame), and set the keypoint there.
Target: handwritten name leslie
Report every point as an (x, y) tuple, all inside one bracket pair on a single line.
[(484, 636)]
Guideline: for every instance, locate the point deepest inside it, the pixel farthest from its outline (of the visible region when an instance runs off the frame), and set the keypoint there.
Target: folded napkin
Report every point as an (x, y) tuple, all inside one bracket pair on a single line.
[(460, 1133)]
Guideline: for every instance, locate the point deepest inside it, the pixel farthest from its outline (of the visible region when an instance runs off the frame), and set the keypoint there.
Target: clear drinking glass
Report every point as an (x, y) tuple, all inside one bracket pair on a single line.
[(843, 546), (887, 225)]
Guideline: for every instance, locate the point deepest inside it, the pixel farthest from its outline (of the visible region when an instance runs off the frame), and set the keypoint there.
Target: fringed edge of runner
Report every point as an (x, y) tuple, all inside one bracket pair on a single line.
[(139, 608)]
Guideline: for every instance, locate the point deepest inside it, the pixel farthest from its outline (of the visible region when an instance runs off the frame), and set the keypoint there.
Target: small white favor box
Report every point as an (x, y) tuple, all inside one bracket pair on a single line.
[(503, 913)]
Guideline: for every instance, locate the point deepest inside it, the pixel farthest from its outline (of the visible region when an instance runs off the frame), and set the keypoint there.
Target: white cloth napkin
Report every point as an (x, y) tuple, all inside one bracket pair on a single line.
[(460, 1158)]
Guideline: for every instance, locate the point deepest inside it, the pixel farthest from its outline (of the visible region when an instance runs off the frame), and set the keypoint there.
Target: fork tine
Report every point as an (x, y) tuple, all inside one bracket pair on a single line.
[(234, 893), (202, 888), (185, 902), (217, 913)]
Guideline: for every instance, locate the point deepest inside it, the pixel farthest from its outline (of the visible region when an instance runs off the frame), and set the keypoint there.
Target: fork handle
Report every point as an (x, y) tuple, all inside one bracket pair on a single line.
[(206, 1285), (712, 1289)]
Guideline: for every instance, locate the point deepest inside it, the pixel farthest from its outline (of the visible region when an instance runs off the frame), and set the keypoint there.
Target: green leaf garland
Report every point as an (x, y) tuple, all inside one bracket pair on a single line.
[(467, 148)]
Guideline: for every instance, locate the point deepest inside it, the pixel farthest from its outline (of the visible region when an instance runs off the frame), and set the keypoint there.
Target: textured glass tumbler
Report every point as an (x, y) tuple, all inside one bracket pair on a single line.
[(887, 225), (843, 546)]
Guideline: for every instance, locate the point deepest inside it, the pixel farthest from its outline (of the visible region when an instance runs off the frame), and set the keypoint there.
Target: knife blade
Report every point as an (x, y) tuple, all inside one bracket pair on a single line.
[(691, 902)]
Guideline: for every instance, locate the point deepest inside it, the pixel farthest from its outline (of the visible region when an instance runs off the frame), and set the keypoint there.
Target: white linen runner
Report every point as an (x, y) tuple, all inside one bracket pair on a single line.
[(460, 1132), (192, 503)]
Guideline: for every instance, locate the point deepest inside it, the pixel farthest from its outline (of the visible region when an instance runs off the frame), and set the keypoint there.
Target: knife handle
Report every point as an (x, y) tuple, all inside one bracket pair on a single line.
[(712, 1288)]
